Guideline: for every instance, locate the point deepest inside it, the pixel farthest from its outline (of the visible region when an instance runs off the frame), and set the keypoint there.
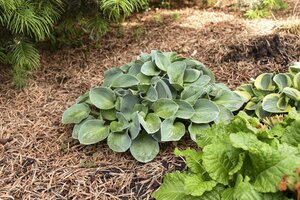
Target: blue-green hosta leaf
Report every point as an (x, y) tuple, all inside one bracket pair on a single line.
[(185, 110), (203, 80), (294, 68), (83, 98), (292, 93), (162, 62), (176, 72), (127, 104), (144, 57), (191, 75), (193, 159), (110, 75), (196, 186), (172, 187), (260, 112), (151, 123), (163, 90), (191, 94), (195, 130), (224, 116), (119, 141), (296, 81), (246, 88), (271, 164), (77, 127), (92, 131), (205, 111), (251, 105), (120, 125), (270, 104), (172, 56), (151, 94), (135, 68), (109, 114), (103, 98), (125, 81), (282, 81), (76, 113), (165, 108), (134, 126), (144, 148), (246, 96), (149, 69), (264, 82), (220, 159), (171, 131), (230, 100), (143, 79), (291, 134)]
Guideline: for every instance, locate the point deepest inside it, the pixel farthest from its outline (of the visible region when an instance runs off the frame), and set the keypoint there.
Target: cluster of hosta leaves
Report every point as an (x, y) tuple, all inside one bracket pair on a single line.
[(243, 160), (157, 98), (271, 94)]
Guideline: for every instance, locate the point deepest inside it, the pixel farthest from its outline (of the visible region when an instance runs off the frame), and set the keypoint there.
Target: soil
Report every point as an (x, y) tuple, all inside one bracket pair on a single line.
[(38, 157)]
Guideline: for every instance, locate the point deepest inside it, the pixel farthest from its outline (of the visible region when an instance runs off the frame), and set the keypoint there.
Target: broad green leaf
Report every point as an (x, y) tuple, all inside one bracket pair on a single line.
[(264, 82), (282, 81), (246, 88), (172, 56), (172, 187), (270, 104), (260, 112), (151, 94), (171, 131), (250, 106), (294, 68), (230, 100), (103, 98), (163, 90), (144, 148), (296, 81), (134, 126), (196, 186), (244, 95), (191, 75), (125, 81), (135, 68), (196, 129), (191, 94), (143, 79), (193, 159), (185, 110), (77, 127), (165, 108), (292, 93), (205, 111), (243, 190), (203, 80), (110, 75), (83, 98), (224, 116), (92, 131), (149, 69), (119, 142), (151, 123), (176, 72), (120, 125), (109, 114), (291, 134), (127, 104), (219, 159), (162, 62), (76, 113)]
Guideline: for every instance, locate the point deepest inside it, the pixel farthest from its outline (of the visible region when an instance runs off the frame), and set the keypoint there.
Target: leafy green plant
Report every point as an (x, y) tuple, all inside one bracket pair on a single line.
[(243, 160), (271, 94), (264, 7), (156, 98)]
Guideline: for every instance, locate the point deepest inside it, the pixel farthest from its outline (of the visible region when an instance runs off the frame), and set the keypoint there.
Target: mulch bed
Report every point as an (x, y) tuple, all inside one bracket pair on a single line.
[(39, 160)]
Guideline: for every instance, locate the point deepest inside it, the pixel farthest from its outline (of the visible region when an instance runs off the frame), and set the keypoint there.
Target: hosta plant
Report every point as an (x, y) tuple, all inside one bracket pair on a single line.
[(271, 94), (243, 160), (156, 98)]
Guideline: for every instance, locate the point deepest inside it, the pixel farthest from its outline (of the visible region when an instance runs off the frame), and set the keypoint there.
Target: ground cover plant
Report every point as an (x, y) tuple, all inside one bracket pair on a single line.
[(271, 94), (157, 98), (242, 160)]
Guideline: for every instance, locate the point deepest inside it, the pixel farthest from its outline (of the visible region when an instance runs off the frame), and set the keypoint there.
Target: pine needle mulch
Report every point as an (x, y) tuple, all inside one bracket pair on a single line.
[(39, 159)]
